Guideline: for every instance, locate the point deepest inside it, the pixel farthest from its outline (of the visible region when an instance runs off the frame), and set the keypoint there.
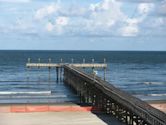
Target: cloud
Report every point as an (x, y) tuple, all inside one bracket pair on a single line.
[(46, 11), (74, 11), (104, 18), (106, 14), (58, 25), (140, 1), (145, 8), (49, 27), (130, 30), (161, 8), (15, 1), (99, 18), (132, 27), (62, 21)]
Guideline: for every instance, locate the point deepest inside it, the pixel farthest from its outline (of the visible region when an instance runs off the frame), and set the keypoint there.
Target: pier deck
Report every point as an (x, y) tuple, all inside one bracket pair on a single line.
[(54, 65)]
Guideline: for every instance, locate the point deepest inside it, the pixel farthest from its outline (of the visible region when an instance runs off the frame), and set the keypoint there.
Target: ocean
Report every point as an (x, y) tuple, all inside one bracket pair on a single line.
[(140, 73)]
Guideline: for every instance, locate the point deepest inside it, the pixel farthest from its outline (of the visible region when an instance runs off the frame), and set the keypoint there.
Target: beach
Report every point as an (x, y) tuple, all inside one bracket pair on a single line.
[(160, 106), (57, 118)]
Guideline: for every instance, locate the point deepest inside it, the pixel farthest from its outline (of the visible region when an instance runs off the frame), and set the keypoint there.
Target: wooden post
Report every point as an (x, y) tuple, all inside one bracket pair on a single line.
[(49, 70), (93, 66), (61, 61), (104, 70), (61, 73)]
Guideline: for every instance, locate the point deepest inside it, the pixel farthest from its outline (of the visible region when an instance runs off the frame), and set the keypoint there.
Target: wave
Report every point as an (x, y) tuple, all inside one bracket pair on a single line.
[(154, 83), (32, 92), (157, 94)]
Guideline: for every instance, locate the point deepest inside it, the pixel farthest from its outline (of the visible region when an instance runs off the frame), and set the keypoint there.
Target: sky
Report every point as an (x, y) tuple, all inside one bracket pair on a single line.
[(83, 25)]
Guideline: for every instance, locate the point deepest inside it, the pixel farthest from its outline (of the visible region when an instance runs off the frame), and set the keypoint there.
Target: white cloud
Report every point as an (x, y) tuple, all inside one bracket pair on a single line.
[(145, 8), (62, 21), (49, 27), (106, 14), (162, 8), (140, 1), (130, 30), (133, 21), (58, 26), (132, 24), (104, 18), (74, 11), (157, 22), (99, 17), (46, 11), (15, 1), (131, 27)]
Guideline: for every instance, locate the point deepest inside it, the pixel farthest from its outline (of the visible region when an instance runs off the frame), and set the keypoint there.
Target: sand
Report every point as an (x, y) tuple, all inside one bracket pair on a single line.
[(160, 106), (57, 118)]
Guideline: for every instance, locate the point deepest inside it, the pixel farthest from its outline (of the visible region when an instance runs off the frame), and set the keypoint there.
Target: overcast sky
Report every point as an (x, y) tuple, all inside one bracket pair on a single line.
[(83, 24)]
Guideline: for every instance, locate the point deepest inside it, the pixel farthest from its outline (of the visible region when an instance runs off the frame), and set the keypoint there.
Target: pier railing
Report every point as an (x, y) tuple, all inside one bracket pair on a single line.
[(112, 100)]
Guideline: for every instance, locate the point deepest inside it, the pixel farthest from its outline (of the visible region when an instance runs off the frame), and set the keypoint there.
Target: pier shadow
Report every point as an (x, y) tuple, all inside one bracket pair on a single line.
[(108, 119)]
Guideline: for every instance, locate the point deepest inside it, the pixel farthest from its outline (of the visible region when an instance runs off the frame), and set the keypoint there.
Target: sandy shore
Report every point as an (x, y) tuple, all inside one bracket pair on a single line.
[(158, 104), (57, 118)]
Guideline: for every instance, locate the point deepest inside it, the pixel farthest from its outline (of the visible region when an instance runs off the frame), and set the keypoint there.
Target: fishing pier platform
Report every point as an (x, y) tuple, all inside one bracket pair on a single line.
[(60, 66), (103, 96)]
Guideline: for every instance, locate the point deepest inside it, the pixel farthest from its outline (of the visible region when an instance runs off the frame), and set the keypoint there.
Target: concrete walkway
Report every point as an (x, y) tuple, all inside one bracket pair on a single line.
[(56, 118)]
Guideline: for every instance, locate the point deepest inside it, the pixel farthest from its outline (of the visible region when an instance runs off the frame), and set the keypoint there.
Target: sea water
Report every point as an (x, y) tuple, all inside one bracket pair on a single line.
[(140, 73)]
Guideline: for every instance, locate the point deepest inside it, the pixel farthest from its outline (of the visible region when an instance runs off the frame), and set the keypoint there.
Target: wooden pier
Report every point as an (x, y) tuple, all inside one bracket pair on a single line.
[(111, 100), (59, 65)]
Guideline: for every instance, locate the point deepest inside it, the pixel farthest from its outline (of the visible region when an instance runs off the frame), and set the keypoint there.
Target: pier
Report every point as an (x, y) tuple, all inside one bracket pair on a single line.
[(103, 96), (111, 100), (98, 95), (60, 66)]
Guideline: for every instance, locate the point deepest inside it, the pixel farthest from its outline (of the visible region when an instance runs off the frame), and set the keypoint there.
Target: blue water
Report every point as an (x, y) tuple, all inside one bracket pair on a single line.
[(139, 73)]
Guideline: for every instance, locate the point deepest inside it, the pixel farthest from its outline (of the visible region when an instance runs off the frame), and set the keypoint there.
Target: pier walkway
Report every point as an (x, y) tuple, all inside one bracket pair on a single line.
[(101, 94), (56, 65)]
